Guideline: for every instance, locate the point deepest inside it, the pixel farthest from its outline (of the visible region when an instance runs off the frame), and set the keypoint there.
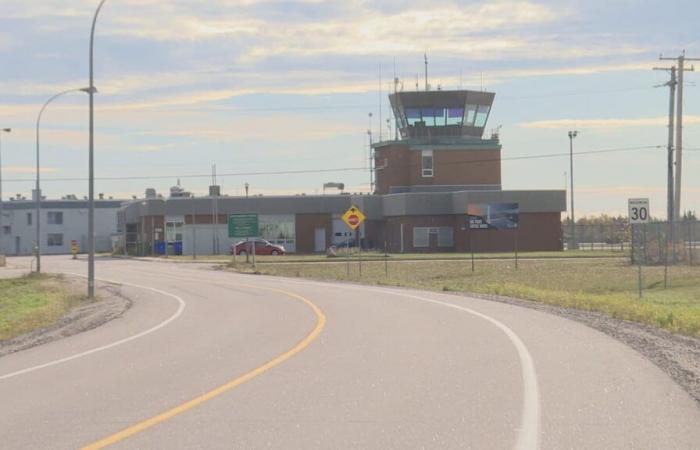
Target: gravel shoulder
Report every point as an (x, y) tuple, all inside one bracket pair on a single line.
[(677, 355), (110, 304)]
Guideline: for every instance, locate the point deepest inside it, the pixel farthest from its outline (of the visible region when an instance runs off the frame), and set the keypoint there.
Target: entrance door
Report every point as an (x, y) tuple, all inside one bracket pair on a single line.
[(320, 240), (17, 246)]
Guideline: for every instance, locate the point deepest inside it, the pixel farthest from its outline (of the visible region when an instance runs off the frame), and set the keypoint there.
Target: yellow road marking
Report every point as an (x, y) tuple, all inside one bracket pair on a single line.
[(169, 414)]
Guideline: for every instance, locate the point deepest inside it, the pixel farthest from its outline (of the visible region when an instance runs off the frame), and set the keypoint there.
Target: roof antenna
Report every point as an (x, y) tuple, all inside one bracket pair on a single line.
[(380, 102), (427, 86)]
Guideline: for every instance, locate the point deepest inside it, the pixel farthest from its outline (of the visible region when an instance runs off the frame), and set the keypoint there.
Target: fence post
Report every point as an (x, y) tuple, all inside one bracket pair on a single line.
[(666, 258), (690, 243), (386, 261), (632, 247)]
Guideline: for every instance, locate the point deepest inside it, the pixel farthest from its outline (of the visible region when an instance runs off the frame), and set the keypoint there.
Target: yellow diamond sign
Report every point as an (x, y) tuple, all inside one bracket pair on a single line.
[(353, 217)]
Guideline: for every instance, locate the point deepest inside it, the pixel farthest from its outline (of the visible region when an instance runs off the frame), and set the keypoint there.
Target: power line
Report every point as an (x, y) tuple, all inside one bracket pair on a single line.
[(339, 169)]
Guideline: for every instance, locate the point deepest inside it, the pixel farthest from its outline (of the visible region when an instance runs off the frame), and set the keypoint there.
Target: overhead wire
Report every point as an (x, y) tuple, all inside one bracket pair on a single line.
[(337, 169)]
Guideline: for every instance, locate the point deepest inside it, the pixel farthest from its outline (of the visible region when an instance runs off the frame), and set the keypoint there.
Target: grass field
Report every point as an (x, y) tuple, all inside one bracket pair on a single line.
[(605, 285), (30, 303), (374, 255)]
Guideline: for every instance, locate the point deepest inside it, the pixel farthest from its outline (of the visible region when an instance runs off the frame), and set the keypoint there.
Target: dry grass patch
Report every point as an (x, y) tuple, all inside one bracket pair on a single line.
[(603, 285), (33, 302)]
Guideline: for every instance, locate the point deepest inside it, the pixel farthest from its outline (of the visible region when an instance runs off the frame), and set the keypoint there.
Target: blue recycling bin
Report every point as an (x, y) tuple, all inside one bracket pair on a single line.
[(177, 248), (160, 248)]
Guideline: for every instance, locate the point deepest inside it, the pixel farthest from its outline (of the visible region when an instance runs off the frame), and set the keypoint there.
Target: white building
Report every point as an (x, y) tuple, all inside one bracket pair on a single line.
[(62, 221)]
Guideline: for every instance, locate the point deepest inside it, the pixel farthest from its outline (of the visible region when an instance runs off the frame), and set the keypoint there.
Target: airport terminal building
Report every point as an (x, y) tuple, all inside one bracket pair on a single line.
[(436, 169)]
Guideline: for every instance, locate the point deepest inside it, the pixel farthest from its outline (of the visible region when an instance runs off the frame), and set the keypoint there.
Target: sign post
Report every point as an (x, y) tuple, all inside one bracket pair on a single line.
[(638, 215), (353, 218), (243, 226)]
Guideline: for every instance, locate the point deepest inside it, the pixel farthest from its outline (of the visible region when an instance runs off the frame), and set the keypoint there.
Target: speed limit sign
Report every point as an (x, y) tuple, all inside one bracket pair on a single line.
[(639, 210)]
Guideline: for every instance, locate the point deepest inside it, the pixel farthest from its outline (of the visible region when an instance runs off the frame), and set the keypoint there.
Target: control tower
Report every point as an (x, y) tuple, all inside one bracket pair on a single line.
[(440, 114), (439, 146)]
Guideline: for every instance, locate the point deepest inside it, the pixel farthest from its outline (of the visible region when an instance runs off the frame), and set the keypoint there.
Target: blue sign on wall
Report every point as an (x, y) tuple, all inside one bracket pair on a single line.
[(493, 216)]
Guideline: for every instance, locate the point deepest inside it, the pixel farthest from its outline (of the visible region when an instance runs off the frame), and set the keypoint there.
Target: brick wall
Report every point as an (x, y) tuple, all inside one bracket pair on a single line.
[(403, 167)]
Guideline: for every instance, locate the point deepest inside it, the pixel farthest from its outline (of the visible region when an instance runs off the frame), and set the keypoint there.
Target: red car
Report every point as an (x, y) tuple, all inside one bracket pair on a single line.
[(262, 247)]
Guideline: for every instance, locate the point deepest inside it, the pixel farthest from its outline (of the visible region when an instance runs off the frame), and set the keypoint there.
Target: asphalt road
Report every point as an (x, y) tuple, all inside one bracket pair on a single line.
[(210, 359)]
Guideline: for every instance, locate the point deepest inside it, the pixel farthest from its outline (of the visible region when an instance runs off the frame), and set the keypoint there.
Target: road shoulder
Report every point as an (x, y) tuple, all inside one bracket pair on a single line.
[(110, 304), (677, 355)]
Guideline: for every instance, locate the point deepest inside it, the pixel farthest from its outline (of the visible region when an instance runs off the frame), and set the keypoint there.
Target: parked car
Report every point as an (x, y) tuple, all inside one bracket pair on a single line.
[(262, 247)]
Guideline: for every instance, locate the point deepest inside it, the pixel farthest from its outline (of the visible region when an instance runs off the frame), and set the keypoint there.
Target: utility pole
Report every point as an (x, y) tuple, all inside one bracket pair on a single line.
[(369, 134), (679, 130), (670, 199), (572, 135)]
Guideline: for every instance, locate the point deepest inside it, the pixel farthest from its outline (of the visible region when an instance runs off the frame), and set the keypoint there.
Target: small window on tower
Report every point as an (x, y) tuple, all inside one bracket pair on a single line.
[(427, 163)]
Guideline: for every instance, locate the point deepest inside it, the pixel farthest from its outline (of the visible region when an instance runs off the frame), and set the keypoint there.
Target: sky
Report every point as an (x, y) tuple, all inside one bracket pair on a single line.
[(263, 87)]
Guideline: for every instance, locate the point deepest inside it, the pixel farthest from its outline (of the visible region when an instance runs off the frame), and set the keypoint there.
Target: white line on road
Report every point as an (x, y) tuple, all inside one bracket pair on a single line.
[(529, 432), (177, 314)]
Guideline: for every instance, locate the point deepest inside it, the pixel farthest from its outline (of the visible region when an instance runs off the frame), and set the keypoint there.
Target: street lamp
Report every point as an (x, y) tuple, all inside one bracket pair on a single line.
[(38, 173), (572, 135), (371, 171), (3, 130), (91, 182)]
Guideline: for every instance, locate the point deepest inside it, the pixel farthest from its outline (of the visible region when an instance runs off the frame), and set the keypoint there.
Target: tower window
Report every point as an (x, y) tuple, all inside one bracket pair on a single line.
[(427, 163)]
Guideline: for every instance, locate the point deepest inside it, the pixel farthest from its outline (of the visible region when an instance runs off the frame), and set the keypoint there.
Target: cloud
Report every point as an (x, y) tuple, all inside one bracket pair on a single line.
[(606, 123), (28, 169)]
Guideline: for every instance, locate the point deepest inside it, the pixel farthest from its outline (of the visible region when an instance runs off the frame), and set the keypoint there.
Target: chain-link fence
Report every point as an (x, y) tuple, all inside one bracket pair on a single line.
[(651, 244)]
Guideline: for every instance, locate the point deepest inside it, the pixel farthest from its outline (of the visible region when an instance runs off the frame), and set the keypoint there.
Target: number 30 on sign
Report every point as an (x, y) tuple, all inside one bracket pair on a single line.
[(639, 210)]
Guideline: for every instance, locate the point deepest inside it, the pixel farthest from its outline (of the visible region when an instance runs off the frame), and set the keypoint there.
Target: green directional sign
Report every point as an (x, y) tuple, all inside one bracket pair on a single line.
[(242, 225)]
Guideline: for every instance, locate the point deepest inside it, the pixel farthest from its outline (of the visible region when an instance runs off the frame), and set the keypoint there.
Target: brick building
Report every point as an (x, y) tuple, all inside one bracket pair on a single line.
[(427, 177)]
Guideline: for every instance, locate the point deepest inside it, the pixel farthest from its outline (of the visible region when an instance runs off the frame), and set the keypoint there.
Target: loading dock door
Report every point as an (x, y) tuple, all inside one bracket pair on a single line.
[(320, 240)]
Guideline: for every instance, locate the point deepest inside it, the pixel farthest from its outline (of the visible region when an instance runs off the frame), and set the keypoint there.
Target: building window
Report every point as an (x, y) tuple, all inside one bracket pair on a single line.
[(445, 237), (29, 218), (421, 237), (6, 229), (55, 240), (55, 218), (427, 163), (173, 231), (482, 115), (278, 229), (470, 115)]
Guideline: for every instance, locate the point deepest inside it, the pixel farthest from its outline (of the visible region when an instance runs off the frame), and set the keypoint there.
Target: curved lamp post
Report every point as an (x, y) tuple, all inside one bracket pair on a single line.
[(38, 173), (2, 130), (91, 182)]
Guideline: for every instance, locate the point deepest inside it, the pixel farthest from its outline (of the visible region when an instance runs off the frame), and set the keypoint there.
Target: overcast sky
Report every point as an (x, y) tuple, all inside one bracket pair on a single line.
[(264, 86)]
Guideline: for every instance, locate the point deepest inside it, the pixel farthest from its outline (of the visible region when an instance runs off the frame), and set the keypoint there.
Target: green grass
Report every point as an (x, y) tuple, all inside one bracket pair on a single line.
[(374, 255), (604, 285), (31, 303)]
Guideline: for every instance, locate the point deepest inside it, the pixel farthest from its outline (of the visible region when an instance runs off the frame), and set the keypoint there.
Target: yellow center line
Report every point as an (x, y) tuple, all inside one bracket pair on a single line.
[(169, 414)]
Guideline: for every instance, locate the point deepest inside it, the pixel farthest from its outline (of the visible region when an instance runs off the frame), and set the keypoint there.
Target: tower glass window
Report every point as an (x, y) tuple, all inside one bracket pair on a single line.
[(482, 114)]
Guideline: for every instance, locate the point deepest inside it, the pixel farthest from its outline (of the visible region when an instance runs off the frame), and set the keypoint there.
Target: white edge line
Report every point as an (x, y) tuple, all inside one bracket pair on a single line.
[(529, 431), (177, 314)]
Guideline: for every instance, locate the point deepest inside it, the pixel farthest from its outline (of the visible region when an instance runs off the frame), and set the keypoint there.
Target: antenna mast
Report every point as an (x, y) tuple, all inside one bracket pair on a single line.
[(427, 86), (380, 103)]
